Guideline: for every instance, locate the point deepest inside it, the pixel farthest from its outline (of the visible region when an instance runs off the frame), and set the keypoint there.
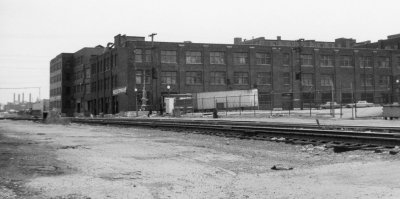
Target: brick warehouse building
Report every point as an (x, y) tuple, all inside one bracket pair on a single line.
[(69, 75), (288, 74)]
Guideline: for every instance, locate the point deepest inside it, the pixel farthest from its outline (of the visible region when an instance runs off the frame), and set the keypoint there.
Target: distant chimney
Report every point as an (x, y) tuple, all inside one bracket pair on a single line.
[(30, 98), (23, 97), (237, 40), (14, 99), (278, 38), (19, 98)]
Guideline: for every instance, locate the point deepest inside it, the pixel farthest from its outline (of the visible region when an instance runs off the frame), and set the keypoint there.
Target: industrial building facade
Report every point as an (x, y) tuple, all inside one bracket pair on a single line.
[(291, 74)]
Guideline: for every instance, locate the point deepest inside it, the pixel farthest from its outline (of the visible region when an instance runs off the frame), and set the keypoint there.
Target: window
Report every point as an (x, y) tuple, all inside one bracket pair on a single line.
[(87, 73), (286, 59), (217, 58), (263, 58), (366, 79), (217, 78), (193, 57), (241, 78), (87, 88), (346, 61), (240, 58), (383, 62), (168, 77), (365, 62), (147, 56), (384, 80), (94, 86), (138, 55), (168, 56), (263, 78), (326, 80), (107, 64), (326, 61), (93, 68), (286, 78), (398, 61), (306, 60), (307, 79), (194, 77), (139, 76)]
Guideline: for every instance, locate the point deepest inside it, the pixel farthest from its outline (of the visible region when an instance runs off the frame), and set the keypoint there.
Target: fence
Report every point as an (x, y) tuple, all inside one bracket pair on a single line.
[(278, 104)]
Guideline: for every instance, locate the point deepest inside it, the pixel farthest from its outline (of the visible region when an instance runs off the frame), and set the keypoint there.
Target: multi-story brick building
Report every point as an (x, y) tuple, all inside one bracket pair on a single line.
[(68, 71), (60, 93), (287, 75)]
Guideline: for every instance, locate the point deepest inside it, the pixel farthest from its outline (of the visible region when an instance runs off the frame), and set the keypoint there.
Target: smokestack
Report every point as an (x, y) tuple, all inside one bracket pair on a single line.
[(23, 97), (30, 98), (19, 98), (14, 99)]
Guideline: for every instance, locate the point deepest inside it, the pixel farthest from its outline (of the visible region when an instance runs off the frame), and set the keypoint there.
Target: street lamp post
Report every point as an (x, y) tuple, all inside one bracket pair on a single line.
[(168, 88), (136, 108)]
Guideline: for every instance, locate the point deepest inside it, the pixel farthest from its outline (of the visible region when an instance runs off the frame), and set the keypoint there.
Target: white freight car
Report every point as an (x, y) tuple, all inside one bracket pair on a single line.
[(226, 99)]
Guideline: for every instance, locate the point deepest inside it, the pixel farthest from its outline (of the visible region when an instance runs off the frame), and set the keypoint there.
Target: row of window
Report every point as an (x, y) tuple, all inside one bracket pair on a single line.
[(81, 88), (55, 67), (104, 64), (56, 78), (344, 60), (104, 84), (195, 57), (242, 78), (55, 91), (327, 80), (196, 78)]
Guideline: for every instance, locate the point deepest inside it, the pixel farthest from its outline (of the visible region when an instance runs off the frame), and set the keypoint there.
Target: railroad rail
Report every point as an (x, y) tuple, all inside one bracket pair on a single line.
[(354, 136)]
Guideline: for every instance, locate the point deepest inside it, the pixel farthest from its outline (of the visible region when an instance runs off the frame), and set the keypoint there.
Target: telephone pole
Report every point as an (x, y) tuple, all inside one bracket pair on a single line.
[(144, 93), (299, 49)]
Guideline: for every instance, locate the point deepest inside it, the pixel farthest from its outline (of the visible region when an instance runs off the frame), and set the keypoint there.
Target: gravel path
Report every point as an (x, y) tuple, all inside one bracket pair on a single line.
[(80, 161)]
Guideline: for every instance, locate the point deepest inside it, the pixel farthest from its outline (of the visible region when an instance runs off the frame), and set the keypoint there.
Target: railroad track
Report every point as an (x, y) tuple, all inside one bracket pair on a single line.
[(356, 138)]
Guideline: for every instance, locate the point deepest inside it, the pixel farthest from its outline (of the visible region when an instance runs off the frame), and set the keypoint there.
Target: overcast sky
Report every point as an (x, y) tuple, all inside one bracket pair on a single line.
[(32, 32)]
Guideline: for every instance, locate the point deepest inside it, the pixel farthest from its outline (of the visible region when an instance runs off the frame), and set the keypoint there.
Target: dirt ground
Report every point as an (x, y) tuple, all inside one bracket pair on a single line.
[(80, 161)]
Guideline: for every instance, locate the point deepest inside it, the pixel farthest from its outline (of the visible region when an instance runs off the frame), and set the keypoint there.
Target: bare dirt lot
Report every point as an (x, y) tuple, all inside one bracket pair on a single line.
[(80, 161)]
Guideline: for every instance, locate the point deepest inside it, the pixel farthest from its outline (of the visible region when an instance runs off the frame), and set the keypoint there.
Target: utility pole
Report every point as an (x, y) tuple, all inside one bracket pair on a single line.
[(144, 93), (299, 49)]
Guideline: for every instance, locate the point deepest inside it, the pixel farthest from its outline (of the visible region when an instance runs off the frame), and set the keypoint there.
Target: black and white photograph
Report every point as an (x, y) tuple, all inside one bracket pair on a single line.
[(130, 99)]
